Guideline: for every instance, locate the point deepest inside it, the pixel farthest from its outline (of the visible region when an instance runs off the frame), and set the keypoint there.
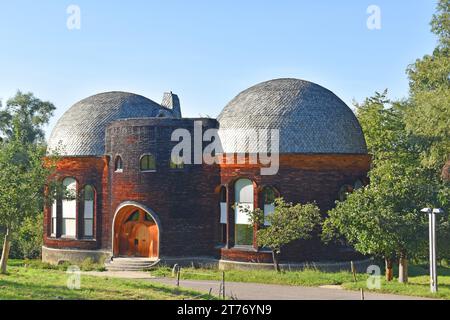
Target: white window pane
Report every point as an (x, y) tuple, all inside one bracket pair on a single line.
[(54, 226), (241, 215), (54, 209), (69, 227), (244, 191), (268, 209), (70, 184), (223, 212), (89, 209), (88, 227), (69, 208)]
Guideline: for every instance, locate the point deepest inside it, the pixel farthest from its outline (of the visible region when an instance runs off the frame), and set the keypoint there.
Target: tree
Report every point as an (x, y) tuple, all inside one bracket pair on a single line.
[(383, 219), (427, 118), (287, 223), (22, 181), (28, 113), (23, 175)]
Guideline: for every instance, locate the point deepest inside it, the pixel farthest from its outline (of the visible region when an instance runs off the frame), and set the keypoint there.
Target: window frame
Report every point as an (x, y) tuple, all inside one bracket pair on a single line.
[(63, 233), (268, 206), (145, 156), (117, 161), (92, 219), (238, 234)]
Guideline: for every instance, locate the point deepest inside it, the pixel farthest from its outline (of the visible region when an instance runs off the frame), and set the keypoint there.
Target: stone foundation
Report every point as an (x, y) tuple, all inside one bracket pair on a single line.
[(58, 256)]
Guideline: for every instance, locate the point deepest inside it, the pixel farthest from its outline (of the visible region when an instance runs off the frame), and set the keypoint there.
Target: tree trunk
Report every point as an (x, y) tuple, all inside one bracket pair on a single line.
[(403, 269), (5, 252), (389, 269), (276, 262)]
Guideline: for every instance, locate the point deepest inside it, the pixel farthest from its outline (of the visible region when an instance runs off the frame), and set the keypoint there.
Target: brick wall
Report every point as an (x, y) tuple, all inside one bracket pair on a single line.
[(186, 201)]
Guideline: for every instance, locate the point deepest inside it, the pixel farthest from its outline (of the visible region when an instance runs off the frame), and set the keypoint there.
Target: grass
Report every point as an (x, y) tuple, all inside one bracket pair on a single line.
[(299, 278), (37, 281), (418, 285)]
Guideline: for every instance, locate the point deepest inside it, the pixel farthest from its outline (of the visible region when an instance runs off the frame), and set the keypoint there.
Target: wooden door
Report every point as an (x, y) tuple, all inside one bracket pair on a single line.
[(138, 236), (125, 245), (142, 240)]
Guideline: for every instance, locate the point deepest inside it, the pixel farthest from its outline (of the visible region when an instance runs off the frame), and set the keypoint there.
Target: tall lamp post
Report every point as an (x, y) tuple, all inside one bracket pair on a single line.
[(432, 227)]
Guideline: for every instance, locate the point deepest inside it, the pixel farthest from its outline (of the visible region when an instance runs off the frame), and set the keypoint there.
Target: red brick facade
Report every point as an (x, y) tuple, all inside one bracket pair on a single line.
[(185, 202)]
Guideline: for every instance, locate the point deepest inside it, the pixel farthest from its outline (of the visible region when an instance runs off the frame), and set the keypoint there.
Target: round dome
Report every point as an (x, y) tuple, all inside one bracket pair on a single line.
[(310, 119), (81, 129)]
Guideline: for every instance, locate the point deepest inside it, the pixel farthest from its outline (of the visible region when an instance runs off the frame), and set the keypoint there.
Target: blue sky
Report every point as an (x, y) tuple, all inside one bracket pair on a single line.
[(207, 51)]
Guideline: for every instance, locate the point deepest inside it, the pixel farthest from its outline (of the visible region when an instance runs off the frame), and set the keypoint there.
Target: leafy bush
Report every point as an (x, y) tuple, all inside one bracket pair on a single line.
[(27, 240)]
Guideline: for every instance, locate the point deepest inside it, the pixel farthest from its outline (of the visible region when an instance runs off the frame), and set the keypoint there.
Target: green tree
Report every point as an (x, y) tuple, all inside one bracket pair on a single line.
[(22, 181), (23, 175), (287, 223), (29, 114), (429, 78), (384, 219)]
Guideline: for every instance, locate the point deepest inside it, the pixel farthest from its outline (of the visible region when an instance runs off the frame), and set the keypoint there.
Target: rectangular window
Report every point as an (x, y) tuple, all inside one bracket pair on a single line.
[(268, 209), (89, 218), (243, 226), (244, 234), (69, 214), (54, 221), (241, 214), (223, 212)]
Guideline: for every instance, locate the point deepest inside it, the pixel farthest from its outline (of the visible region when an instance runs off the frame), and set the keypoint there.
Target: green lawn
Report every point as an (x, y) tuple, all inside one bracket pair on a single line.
[(35, 280), (418, 281), (41, 282)]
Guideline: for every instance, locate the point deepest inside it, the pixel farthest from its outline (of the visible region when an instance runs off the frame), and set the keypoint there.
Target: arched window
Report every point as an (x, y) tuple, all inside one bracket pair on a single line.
[(176, 163), (69, 208), (223, 214), (118, 164), (269, 195), (88, 212), (148, 163), (244, 201)]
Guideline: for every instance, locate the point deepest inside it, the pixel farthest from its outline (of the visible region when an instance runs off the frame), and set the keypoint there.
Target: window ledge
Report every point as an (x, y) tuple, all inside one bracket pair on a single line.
[(244, 248), (148, 171), (62, 239)]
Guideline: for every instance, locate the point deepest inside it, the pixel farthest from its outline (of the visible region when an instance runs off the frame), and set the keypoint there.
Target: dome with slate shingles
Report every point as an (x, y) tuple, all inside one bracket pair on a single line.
[(81, 130), (310, 118)]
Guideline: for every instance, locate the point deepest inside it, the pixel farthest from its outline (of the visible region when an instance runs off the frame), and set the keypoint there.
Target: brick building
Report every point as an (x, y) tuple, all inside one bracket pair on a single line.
[(133, 199)]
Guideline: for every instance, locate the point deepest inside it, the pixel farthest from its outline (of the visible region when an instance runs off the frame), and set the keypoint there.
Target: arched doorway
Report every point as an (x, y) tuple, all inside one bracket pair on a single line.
[(136, 233)]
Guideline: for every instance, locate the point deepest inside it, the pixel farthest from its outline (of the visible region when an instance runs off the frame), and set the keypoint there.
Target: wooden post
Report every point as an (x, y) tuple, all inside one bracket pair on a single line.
[(178, 276), (223, 285), (362, 294), (352, 265)]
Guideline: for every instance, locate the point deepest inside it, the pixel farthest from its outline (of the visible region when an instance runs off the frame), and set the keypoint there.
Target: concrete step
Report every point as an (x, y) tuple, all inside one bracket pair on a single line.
[(130, 264)]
